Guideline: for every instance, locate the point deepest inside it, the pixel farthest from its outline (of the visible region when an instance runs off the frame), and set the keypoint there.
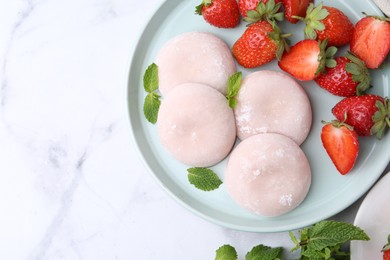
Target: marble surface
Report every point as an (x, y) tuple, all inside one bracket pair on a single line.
[(71, 183)]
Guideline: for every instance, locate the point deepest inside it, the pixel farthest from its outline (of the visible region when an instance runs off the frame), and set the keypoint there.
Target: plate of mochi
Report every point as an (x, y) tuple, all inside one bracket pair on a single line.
[(266, 149)]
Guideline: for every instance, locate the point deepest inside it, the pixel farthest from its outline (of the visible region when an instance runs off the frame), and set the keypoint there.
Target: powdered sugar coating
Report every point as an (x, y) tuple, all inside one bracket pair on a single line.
[(272, 102), (196, 125), (268, 174), (195, 57)]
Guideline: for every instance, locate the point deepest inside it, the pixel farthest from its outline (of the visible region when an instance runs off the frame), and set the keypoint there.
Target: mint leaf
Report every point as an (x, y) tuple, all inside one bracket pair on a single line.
[(330, 233), (203, 178), (262, 252), (152, 100), (151, 106), (234, 84), (151, 78), (226, 252)]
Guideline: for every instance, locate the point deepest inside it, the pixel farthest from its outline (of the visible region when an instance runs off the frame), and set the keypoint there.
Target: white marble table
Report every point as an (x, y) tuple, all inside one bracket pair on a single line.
[(71, 183)]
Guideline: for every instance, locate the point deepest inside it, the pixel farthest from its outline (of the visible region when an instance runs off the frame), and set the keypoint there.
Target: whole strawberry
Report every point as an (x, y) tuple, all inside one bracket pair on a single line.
[(326, 22), (260, 43), (307, 59), (294, 8), (367, 114), (249, 5), (349, 78), (265, 10), (371, 40), (341, 143), (386, 250), (219, 13)]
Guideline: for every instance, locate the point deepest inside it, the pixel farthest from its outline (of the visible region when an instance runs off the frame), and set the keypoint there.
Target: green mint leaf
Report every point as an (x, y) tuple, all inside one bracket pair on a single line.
[(151, 78), (151, 106), (226, 252), (203, 178), (262, 252), (234, 84), (330, 233)]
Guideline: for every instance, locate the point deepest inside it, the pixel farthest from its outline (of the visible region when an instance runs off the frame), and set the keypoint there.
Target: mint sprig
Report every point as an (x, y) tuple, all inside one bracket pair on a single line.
[(152, 100), (324, 239), (262, 252), (226, 252), (203, 178), (234, 84)]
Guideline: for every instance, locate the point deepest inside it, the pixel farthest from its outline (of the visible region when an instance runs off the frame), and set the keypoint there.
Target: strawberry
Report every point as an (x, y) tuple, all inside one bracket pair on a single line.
[(349, 78), (368, 114), (341, 143), (248, 5), (371, 40), (325, 22), (265, 10), (219, 13), (260, 43), (386, 250), (307, 59), (294, 8)]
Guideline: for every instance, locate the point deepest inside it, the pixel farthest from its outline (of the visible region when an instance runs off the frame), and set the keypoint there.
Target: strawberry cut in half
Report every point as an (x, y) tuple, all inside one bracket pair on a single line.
[(349, 78), (371, 40), (386, 249), (368, 114), (341, 144), (219, 13), (307, 59)]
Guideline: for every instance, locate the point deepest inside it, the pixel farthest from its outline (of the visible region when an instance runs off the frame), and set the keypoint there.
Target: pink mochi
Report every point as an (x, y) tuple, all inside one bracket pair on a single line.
[(268, 174), (195, 57), (196, 125), (272, 102)]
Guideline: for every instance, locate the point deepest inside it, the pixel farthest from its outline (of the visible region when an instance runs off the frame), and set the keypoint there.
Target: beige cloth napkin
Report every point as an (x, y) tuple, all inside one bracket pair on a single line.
[(384, 5)]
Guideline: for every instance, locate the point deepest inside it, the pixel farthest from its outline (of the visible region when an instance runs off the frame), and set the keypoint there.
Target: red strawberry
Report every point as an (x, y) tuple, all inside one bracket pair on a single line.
[(220, 13), (325, 22), (371, 40), (386, 250), (349, 78), (307, 59), (367, 114), (342, 145), (265, 10), (246, 5), (260, 43), (295, 8)]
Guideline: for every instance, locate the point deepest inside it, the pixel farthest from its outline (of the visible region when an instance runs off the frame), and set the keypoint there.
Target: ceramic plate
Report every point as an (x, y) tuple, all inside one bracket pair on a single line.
[(373, 217), (330, 192)]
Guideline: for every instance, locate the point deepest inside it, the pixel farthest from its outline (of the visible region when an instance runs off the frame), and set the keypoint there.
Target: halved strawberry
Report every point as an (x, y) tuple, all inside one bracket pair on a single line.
[(326, 22), (260, 43), (247, 5), (307, 59), (386, 249), (219, 13), (341, 143), (367, 114), (349, 78), (371, 40), (295, 8)]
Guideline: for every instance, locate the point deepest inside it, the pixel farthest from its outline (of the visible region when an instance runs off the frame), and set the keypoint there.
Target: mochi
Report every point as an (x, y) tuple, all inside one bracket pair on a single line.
[(196, 125), (268, 174)]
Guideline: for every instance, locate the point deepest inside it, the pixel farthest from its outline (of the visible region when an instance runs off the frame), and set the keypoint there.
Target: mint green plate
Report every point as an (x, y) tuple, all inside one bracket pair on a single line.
[(330, 192)]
